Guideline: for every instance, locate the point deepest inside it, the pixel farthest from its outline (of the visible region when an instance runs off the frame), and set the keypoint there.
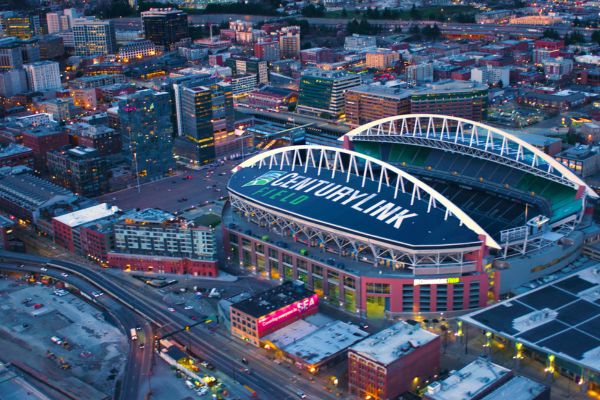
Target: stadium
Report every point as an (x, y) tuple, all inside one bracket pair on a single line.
[(413, 214)]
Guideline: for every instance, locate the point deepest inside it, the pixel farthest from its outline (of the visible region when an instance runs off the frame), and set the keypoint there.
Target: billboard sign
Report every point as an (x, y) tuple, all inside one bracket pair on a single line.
[(287, 314)]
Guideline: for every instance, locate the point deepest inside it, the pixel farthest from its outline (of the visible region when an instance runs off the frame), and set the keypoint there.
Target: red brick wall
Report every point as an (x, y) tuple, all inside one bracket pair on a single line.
[(162, 265), (63, 235)]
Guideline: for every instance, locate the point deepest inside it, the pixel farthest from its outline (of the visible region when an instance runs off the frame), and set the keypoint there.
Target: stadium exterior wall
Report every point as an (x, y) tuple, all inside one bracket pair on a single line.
[(401, 295)]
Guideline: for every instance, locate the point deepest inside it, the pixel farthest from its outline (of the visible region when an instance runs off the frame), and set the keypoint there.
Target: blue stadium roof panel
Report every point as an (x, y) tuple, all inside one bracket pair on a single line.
[(343, 203)]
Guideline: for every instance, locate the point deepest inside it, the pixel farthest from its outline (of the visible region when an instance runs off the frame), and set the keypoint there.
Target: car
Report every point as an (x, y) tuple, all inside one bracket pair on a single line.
[(141, 346), (247, 371), (64, 275), (171, 309), (244, 361), (300, 394), (97, 294), (43, 269), (188, 307), (37, 306), (202, 391), (21, 265)]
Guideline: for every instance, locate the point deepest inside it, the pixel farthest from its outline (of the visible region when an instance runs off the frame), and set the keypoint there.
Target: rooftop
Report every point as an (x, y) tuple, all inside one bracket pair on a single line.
[(13, 149), (394, 93), (580, 152), (87, 215), (149, 215), (518, 388), (326, 342), (18, 184), (449, 86), (467, 383), (273, 299), (393, 343), (560, 318)]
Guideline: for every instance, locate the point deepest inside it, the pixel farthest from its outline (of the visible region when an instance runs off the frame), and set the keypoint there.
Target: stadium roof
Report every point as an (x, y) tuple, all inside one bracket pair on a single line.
[(355, 202), (561, 318)]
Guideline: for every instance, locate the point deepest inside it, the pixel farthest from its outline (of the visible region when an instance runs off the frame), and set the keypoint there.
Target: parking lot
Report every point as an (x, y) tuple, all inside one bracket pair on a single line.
[(63, 338), (188, 189)]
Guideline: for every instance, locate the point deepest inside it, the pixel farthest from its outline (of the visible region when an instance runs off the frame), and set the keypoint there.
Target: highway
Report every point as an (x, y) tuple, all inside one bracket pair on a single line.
[(138, 366), (268, 379)]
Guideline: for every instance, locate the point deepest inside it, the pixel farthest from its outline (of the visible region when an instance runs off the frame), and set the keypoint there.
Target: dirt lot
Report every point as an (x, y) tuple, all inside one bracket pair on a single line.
[(96, 350)]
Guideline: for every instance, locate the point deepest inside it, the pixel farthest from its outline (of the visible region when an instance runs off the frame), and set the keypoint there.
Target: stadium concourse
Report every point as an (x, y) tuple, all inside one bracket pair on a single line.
[(414, 214)]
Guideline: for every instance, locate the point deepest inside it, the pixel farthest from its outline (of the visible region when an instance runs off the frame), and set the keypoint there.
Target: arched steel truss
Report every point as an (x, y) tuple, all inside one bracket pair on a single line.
[(332, 161), (468, 137)]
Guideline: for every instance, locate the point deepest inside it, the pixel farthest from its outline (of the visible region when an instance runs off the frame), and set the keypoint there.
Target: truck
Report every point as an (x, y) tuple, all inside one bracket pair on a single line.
[(133, 334)]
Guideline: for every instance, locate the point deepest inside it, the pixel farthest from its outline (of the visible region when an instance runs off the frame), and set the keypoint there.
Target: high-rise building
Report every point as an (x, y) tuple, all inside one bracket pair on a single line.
[(80, 169), (249, 65), (366, 103), (43, 76), (61, 21), (322, 92), (93, 37), (206, 120), (22, 26), (156, 241), (490, 75), (31, 50), (267, 50), (393, 361), (146, 131), (419, 73), (11, 55), (289, 42), (51, 46), (165, 26), (556, 68), (12, 82)]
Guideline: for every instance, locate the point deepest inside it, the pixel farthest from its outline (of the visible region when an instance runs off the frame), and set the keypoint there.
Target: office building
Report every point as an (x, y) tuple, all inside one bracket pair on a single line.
[(146, 132), (12, 82), (165, 26), (242, 65), (273, 98), (156, 241), (270, 310), (206, 120), (11, 55), (456, 98), (357, 42), (22, 26), (419, 73), (485, 380), (43, 76), (289, 42), (322, 92), (316, 55), (43, 139), (136, 50), (80, 169), (393, 361), (491, 75), (31, 50), (366, 103), (381, 58), (67, 227), (267, 50), (60, 21), (93, 37), (242, 84)]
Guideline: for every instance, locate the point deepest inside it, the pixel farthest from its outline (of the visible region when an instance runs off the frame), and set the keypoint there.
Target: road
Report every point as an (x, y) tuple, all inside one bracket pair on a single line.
[(139, 361), (268, 379)]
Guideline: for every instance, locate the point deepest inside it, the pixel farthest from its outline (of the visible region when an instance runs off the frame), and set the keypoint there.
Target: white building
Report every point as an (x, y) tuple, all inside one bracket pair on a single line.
[(489, 74), (243, 84), (43, 75), (419, 73), (93, 37), (358, 42), (136, 50), (556, 68), (60, 21)]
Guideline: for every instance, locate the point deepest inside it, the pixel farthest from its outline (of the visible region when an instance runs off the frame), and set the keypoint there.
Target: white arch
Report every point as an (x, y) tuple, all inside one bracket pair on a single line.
[(554, 164), (452, 208)]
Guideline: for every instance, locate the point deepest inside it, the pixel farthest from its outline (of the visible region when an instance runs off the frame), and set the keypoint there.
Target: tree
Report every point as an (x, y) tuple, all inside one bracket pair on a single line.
[(551, 34), (414, 30), (414, 13), (344, 13), (500, 84), (431, 32), (596, 37), (313, 11), (352, 26), (574, 38)]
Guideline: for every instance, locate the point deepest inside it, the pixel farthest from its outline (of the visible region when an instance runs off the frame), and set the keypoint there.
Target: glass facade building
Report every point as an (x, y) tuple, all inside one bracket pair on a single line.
[(165, 26), (147, 132)]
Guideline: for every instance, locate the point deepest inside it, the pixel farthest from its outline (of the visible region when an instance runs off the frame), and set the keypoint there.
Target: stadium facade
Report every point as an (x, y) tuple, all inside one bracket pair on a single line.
[(414, 214)]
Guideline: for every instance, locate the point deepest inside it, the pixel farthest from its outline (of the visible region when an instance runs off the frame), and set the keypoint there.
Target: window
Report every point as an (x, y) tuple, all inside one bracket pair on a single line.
[(378, 288)]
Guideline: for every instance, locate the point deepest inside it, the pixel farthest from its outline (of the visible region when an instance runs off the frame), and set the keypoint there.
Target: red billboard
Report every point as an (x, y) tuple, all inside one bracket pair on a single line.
[(288, 314)]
